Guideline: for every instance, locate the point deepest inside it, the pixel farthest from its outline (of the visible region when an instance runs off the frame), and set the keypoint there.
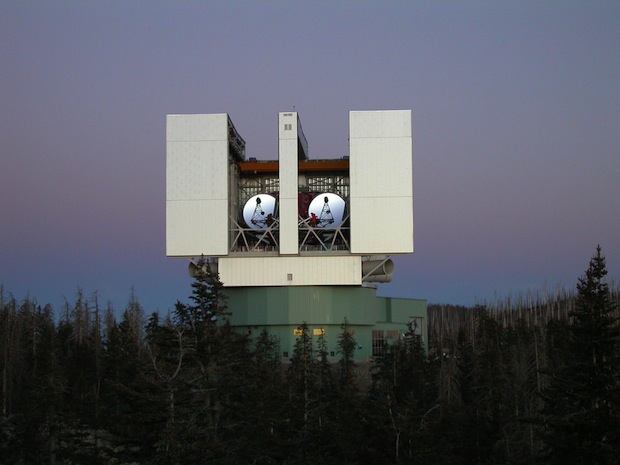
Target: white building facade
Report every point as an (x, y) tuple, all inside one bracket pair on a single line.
[(210, 185)]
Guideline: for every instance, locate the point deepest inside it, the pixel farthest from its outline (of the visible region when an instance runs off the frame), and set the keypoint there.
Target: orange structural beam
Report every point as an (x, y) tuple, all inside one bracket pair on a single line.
[(341, 164), (258, 166), (338, 165)]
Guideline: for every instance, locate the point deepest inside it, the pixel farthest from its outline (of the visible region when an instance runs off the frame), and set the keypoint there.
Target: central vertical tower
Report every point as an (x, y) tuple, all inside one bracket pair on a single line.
[(289, 155)]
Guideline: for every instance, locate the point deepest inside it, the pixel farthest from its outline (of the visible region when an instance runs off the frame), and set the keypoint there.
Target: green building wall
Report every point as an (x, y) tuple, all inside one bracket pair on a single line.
[(281, 310)]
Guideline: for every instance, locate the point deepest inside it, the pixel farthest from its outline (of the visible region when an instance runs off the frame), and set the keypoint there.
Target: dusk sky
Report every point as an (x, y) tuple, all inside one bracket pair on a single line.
[(516, 132)]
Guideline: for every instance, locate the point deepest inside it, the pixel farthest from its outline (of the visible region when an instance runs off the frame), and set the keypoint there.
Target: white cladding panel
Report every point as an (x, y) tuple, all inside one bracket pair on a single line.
[(288, 228), (288, 166), (197, 185), (197, 170), (381, 180), (385, 228), (196, 227), (197, 127), (386, 123), (290, 271), (381, 167)]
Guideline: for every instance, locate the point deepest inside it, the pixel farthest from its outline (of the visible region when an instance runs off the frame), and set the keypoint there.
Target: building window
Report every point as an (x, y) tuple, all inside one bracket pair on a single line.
[(417, 325), (288, 127), (378, 343), (393, 335)]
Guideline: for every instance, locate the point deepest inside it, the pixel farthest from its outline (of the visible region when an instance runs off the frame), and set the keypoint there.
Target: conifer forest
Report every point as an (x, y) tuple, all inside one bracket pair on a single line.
[(528, 380)]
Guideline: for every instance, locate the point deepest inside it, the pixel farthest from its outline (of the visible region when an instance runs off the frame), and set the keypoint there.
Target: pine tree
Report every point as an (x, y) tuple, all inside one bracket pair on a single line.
[(346, 408), (125, 363), (200, 370), (302, 379), (302, 373), (346, 348), (166, 386), (267, 429), (400, 400), (44, 386), (582, 404), (209, 302)]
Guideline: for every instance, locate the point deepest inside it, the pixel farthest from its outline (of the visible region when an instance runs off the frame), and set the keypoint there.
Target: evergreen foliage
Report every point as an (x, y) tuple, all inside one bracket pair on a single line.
[(520, 383), (582, 403), (398, 401), (346, 350)]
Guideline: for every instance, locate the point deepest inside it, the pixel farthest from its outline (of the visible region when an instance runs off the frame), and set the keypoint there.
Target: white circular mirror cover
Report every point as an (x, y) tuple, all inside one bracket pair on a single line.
[(259, 211), (326, 211)]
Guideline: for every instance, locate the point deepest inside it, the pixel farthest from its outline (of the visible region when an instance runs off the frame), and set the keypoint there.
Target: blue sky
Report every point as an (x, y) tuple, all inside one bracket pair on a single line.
[(516, 126)]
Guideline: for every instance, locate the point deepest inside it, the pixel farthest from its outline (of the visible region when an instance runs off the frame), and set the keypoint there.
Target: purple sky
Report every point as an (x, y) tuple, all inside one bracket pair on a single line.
[(516, 123)]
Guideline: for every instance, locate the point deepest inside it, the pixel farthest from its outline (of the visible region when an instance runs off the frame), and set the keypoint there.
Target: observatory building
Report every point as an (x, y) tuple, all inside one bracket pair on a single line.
[(293, 239)]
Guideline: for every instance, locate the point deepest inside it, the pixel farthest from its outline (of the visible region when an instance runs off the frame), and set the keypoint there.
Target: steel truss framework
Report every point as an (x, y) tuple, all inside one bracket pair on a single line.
[(311, 238), (336, 184), (243, 238), (251, 240)]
